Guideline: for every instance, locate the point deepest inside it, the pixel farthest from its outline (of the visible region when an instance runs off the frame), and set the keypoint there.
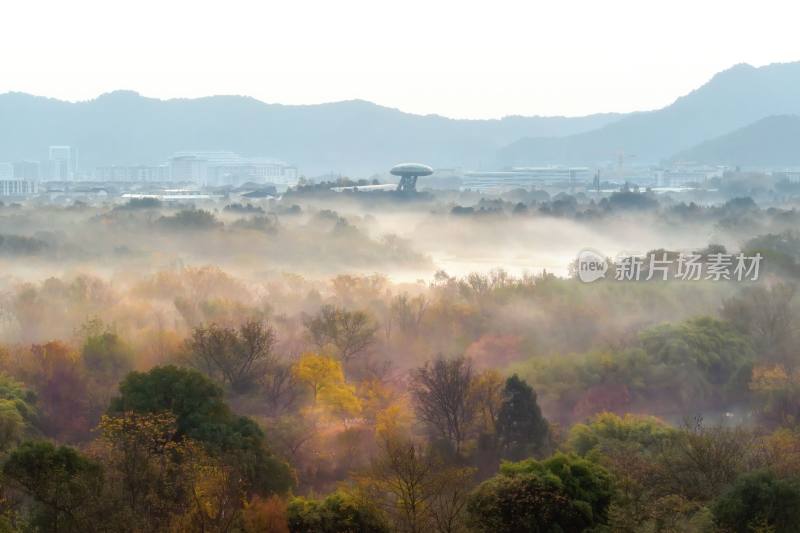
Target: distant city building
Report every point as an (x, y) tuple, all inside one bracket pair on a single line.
[(6, 171), (229, 168), (683, 174), (62, 163), (171, 195), (442, 178), (366, 188), (136, 173), (14, 182), (792, 176), (17, 187), (27, 170), (188, 168), (524, 177)]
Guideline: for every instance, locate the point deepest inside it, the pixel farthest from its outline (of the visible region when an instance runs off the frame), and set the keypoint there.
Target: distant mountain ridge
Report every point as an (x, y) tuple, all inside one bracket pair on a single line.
[(359, 138), (772, 141), (355, 137), (732, 99)]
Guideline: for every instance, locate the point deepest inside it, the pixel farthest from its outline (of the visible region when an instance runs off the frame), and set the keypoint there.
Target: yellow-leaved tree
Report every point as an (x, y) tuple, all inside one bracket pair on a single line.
[(331, 392)]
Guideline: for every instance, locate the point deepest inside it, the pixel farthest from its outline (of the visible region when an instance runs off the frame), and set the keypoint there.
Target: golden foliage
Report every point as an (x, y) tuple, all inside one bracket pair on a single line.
[(326, 378)]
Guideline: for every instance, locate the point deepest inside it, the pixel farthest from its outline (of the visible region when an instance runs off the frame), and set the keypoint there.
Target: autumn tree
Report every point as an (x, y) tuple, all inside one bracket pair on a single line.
[(279, 387), (235, 357), (190, 220), (606, 431), (325, 378), (442, 396), (701, 461), (64, 486), (202, 415), (18, 413), (705, 349), (487, 396), (415, 488), (562, 493), (145, 468), (339, 512), (775, 393), (350, 333), (268, 515), (767, 317), (630, 447), (107, 357), (291, 434), (408, 313), (781, 449), (759, 501), (488, 393), (448, 501), (63, 395)]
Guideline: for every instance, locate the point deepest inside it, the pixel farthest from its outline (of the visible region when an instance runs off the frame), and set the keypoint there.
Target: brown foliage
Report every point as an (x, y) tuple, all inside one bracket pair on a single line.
[(65, 401), (265, 515), (442, 395)]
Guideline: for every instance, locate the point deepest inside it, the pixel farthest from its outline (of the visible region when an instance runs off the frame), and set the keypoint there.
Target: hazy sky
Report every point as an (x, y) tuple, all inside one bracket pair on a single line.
[(455, 58)]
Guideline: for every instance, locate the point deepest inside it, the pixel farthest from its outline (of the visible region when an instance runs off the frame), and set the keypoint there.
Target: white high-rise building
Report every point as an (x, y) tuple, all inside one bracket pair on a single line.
[(229, 168), (14, 184), (17, 187), (6, 171), (61, 163), (27, 170)]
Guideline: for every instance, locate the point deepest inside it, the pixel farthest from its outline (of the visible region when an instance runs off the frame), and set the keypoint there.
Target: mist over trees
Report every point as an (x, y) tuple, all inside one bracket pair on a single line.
[(306, 366)]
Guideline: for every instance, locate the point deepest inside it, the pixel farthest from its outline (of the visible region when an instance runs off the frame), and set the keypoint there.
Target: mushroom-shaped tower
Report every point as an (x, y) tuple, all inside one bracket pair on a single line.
[(409, 172)]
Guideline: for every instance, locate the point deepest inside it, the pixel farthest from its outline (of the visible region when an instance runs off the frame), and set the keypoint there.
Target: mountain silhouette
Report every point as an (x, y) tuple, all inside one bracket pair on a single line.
[(356, 136), (732, 99), (770, 142)]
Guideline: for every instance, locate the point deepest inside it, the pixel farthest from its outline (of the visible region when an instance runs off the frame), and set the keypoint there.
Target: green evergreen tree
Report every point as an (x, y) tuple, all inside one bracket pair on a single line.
[(521, 429)]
